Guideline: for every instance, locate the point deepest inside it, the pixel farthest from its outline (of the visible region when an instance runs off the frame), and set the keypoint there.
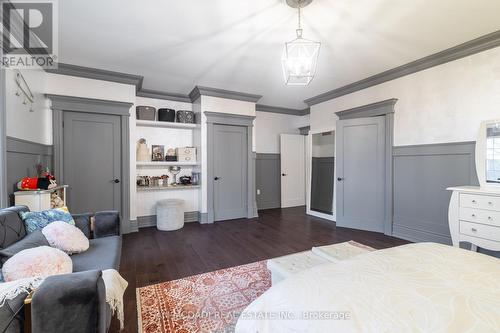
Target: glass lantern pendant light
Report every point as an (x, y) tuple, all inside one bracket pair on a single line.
[(300, 56)]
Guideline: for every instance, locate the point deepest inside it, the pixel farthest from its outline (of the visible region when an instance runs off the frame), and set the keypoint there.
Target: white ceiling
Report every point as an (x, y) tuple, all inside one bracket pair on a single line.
[(237, 44)]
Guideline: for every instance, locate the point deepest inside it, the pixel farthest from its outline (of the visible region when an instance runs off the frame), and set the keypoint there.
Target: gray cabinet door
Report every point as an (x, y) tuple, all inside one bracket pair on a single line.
[(91, 163), (230, 172), (361, 173)]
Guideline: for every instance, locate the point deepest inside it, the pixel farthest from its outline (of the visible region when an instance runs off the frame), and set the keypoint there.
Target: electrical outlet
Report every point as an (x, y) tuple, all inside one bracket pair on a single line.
[(258, 191)]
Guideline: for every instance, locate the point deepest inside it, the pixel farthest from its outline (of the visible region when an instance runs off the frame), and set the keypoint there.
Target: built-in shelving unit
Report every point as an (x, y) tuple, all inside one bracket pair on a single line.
[(166, 124), (170, 135), (167, 188), (164, 164)]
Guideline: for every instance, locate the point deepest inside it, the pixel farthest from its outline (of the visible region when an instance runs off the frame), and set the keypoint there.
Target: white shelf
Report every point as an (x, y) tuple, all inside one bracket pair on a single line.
[(166, 188), (150, 164), (152, 123)]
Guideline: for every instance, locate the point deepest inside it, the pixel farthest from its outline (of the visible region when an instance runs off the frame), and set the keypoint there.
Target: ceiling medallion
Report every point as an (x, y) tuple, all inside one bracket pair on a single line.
[(300, 56)]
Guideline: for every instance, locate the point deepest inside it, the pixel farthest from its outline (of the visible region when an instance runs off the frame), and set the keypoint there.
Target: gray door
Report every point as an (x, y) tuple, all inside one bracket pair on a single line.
[(361, 173), (230, 172), (91, 162)]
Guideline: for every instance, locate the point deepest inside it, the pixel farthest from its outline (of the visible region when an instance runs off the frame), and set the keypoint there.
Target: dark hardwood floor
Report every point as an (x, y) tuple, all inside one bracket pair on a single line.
[(151, 256)]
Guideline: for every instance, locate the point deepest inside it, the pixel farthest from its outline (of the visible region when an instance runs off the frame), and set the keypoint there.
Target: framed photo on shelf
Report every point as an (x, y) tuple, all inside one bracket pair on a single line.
[(157, 153)]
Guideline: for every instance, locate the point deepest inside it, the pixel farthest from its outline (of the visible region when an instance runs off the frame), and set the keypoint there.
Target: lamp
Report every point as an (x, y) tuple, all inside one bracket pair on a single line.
[(300, 56)]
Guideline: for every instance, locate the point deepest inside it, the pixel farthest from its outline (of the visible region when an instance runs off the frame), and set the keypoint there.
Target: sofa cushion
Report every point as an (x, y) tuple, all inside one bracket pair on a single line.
[(38, 262), (11, 226), (38, 220), (82, 222), (66, 237), (103, 253), (32, 240)]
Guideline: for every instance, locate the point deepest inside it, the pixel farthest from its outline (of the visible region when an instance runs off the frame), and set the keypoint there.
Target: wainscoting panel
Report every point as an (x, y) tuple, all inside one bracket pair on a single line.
[(421, 175), (268, 180), (22, 158)]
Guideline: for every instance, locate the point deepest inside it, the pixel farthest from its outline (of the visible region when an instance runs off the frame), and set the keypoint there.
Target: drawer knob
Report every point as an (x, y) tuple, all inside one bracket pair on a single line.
[(490, 218), (473, 215), (473, 201), (473, 229), (490, 203)]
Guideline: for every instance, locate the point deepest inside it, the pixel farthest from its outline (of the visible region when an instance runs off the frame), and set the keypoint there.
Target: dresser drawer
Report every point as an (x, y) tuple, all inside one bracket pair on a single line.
[(480, 230), (480, 216), (480, 201)]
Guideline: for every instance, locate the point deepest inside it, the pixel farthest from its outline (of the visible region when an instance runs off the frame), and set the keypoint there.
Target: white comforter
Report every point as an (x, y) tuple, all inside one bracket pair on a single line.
[(421, 287)]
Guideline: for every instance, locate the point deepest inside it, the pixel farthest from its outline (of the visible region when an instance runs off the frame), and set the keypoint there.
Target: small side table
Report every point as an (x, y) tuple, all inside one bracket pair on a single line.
[(39, 200)]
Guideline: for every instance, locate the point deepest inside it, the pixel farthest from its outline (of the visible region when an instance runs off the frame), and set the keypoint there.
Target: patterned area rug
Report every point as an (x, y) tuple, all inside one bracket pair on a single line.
[(209, 302)]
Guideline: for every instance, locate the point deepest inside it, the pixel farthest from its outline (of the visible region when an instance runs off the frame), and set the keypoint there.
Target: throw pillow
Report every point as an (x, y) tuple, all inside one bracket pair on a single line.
[(32, 240), (66, 237), (38, 220), (38, 262)]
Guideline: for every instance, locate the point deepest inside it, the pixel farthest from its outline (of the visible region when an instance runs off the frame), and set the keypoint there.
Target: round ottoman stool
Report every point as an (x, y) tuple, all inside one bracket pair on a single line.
[(170, 214)]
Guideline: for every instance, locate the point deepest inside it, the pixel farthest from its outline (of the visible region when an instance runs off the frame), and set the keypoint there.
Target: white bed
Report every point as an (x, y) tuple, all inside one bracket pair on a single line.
[(422, 287)]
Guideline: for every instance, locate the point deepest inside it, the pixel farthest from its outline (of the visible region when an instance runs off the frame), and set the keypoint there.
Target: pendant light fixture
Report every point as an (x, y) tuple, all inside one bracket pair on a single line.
[(300, 56)]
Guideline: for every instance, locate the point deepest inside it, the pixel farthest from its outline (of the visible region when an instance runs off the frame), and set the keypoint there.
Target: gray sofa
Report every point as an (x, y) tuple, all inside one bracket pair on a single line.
[(71, 302)]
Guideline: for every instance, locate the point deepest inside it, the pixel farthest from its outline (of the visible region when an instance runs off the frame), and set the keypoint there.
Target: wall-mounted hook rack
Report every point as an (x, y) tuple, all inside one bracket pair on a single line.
[(24, 88)]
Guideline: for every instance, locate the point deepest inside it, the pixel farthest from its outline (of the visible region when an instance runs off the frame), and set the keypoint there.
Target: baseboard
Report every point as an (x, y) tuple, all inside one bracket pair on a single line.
[(269, 205), (203, 218), (414, 235), (150, 220), (133, 226)]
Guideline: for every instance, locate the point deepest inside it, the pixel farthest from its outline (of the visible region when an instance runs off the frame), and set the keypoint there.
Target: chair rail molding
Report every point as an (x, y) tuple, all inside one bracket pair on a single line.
[(61, 104)]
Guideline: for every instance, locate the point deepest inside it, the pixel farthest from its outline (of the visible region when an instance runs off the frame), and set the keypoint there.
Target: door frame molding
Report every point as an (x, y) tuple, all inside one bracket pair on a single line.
[(3, 140), (383, 108), (217, 118), (61, 104)]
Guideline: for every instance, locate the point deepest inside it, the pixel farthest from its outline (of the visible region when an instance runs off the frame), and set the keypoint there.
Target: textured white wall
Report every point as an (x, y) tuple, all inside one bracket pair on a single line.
[(224, 105), (89, 88), (269, 126), (323, 145), (441, 104), (21, 123)]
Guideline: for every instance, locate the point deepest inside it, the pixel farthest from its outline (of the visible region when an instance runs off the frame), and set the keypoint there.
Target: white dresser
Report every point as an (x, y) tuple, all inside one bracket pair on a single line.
[(474, 217)]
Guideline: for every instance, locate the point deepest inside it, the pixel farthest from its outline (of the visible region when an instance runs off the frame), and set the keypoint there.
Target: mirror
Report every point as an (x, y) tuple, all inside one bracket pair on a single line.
[(488, 154), (322, 172), (493, 153)]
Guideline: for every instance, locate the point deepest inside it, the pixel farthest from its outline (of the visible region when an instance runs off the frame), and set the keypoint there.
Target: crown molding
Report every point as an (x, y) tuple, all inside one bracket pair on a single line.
[(163, 95), (277, 109), (222, 93), (304, 130), (97, 74), (474, 46)]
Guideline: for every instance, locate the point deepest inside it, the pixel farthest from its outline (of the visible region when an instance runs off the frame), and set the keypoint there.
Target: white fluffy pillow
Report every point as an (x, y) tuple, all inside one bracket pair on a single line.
[(66, 237), (37, 262)]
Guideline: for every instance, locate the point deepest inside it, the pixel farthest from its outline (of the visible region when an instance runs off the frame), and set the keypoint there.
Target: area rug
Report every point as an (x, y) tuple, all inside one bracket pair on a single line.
[(209, 302), (212, 302)]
